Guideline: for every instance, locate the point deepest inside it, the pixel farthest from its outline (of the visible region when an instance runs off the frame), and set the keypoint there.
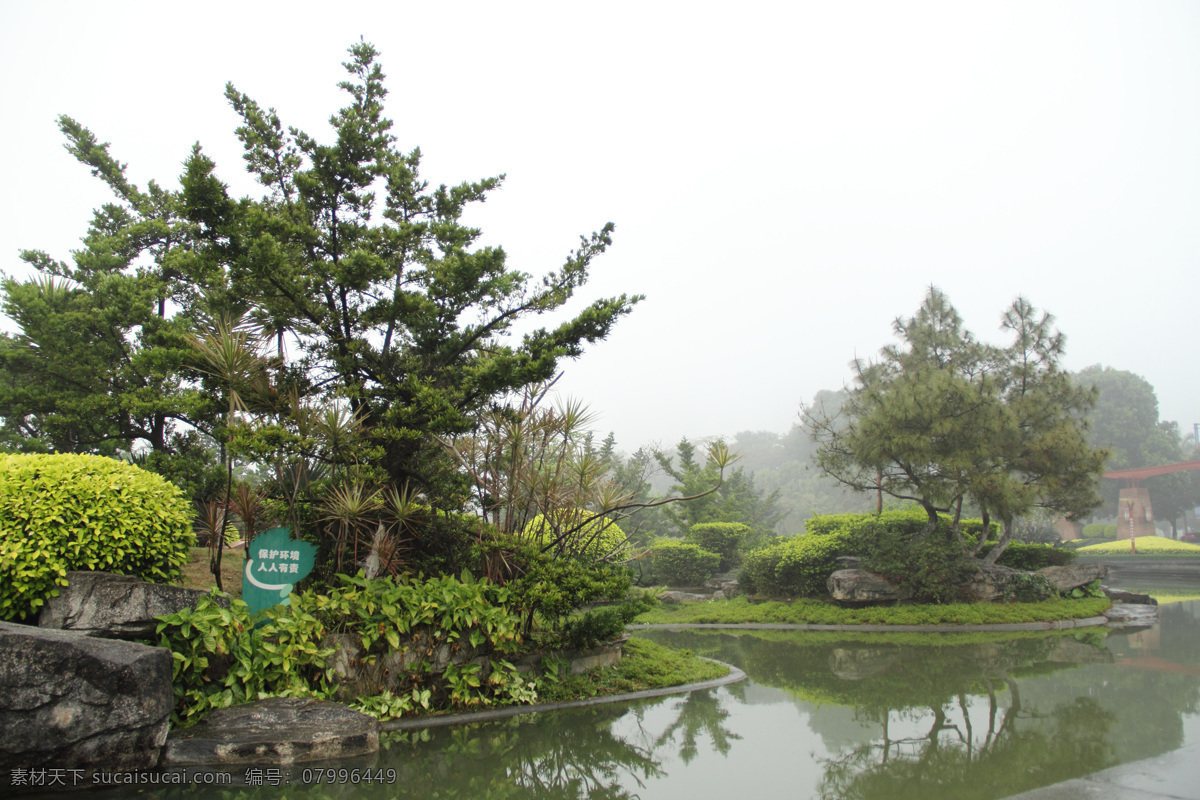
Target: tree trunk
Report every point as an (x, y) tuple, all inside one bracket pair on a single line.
[(1002, 545)]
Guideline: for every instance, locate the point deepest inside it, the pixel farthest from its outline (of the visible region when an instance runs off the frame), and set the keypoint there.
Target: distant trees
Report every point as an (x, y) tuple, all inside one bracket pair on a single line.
[(1125, 422), (941, 419)]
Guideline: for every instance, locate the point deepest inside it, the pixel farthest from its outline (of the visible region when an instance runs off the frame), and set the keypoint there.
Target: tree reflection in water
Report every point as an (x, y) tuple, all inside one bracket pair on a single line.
[(699, 712), (565, 755)]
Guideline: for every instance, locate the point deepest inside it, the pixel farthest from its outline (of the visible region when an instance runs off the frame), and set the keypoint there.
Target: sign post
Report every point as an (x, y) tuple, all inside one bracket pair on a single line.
[(277, 562)]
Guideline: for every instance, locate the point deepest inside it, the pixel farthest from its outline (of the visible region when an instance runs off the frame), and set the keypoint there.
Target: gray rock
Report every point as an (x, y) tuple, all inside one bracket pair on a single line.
[(718, 595), (278, 730), (69, 701), (995, 583), (114, 606), (860, 586), (1131, 615), (682, 597), (1122, 596), (1064, 579), (848, 562)]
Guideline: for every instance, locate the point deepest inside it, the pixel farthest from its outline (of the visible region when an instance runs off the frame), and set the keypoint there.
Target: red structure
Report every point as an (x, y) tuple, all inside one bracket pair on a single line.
[(1135, 517)]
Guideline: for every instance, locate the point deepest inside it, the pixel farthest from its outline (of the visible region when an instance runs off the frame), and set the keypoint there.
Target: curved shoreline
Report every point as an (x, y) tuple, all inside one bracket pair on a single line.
[(412, 723), (1054, 625)]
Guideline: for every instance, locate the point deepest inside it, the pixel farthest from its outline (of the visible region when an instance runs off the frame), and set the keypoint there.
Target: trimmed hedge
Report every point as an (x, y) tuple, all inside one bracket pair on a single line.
[(62, 512), (682, 564), (723, 538), (798, 566), (1098, 530), (1031, 557)]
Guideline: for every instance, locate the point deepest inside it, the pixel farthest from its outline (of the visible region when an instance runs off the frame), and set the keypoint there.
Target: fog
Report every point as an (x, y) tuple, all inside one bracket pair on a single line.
[(785, 178)]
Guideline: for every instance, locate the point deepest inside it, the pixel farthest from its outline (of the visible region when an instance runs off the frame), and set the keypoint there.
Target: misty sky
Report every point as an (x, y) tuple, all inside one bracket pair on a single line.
[(785, 178)]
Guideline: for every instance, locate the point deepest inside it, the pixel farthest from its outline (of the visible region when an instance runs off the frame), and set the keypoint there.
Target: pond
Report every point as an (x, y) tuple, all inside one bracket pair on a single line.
[(825, 715)]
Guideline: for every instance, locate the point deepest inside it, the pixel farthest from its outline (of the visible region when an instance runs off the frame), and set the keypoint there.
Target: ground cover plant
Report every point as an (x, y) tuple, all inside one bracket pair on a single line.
[(645, 665), (1146, 546), (817, 612)]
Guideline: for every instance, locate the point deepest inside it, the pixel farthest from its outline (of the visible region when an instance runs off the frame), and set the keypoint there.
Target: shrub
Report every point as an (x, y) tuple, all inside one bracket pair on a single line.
[(66, 512), (723, 538), (1093, 530), (798, 566), (1031, 557), (1146, 545), (598, 537), (682, 564), (221, 658), (1110, 531)]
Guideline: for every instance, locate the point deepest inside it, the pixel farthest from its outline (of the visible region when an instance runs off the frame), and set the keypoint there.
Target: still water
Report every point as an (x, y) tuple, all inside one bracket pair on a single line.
[(827, 715)]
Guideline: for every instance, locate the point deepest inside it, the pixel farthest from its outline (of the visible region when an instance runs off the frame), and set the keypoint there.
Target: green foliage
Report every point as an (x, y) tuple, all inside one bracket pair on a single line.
[(797, 566), (80, 512), (941, 418), (1090, 590), (1098, 530), (547, 587), (736, 500), (605, 623), (1032, 557), (580, 532), (683, 564), (644, 665), (723, 538), (221, 659)]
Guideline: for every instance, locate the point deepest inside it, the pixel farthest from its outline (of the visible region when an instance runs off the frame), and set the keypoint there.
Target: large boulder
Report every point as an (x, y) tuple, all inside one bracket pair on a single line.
[(115, 606), (278, 730), (1122, 596), (1073, 576), (73, 702), (993, 583), (859, 586)]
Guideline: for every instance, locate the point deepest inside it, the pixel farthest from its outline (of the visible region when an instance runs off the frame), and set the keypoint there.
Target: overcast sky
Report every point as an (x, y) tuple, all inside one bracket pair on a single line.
[(785, 178)]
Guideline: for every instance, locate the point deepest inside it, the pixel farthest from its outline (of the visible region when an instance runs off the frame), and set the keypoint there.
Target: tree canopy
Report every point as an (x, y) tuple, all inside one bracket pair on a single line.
[(940, 419), (387, 303)]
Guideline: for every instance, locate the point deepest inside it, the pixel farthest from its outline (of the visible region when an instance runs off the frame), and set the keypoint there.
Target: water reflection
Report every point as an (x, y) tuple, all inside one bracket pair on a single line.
[(835, 716)]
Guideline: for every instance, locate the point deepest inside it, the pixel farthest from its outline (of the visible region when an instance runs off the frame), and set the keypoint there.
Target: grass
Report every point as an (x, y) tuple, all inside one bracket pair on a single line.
[(645, 665), (1166, 598), (739, 610), (1146, 546), (196, 574)]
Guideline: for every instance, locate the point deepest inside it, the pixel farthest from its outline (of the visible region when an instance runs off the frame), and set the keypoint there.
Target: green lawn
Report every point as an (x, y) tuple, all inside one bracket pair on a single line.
[(739, 610)]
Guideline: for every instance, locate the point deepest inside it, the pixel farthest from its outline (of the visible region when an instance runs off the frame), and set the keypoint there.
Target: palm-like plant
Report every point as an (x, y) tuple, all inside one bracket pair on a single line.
[(230, 351)]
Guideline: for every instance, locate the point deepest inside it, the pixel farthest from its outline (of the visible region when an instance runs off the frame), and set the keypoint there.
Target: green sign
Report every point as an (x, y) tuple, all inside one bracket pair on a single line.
[(276, 563)]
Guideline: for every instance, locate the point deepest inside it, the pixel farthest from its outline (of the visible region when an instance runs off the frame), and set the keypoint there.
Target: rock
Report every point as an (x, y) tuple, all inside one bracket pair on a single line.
[(848, 562), (1132, 615), (114, 606), (860, 586), (989, 583), (1122, 596), (1064, 579), (73, 702), (718, 595), (278, 730), (995, 583), (720, 580), (682, 597)]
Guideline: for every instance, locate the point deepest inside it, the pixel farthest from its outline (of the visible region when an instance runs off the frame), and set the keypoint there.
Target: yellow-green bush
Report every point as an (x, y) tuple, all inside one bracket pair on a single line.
[(1149, 545), (723, 538), (797, 566), (596, 537), (64, 512), (683, 564)]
